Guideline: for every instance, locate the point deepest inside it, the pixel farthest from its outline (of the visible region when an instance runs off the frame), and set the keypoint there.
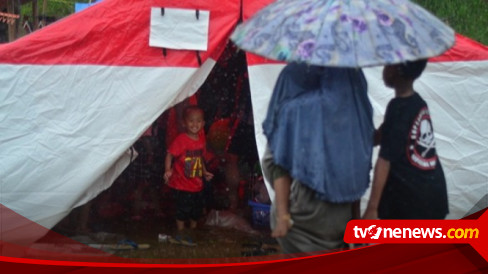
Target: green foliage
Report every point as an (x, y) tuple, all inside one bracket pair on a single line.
[(55, 8), (467, 17)]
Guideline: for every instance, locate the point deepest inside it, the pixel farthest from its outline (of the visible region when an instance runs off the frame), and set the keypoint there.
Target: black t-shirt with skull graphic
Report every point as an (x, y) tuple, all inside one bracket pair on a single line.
[(416, 187)]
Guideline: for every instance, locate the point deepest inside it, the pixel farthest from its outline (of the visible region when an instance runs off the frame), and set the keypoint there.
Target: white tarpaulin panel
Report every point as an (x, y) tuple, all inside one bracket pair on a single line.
[(179, 28), (59, 144)]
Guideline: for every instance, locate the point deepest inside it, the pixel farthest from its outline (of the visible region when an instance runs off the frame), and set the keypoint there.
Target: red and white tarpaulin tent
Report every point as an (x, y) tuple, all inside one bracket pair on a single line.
[(77, 94)]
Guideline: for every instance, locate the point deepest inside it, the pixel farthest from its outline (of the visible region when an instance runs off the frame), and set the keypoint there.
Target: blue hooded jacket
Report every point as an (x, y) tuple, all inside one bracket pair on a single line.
[(320, 128)]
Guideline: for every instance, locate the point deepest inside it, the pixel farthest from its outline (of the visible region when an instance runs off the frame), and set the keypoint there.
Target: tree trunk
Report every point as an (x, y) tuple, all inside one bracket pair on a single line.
[(44, 11), (35, 15), (12, 28)]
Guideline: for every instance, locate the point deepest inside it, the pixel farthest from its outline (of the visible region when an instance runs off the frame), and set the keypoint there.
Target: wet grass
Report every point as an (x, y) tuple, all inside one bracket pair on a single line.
[(212, 243), (467, 17)]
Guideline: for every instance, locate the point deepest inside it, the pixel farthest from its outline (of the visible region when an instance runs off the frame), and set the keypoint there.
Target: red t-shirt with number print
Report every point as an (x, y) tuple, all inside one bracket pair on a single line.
[(188, 163)]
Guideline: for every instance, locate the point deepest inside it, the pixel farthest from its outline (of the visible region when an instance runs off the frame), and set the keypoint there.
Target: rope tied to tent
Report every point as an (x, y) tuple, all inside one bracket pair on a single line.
[(199, 59), (197, 16), (197, 13)]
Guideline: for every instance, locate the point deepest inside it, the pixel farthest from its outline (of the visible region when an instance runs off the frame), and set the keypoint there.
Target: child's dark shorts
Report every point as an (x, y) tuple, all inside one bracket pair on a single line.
[(189, 205)]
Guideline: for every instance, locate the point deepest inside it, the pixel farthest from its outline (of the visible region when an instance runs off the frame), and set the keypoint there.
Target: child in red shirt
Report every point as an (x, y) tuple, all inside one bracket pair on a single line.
[(184, 174)]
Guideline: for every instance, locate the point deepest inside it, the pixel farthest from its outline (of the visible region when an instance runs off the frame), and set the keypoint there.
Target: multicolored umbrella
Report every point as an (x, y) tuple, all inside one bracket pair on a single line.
[(345, 33)]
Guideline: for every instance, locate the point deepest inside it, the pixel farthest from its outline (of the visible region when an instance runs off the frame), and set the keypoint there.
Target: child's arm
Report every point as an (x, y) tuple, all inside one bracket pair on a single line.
[(381, 171), (282, 196), (207, 175), (167, 167)]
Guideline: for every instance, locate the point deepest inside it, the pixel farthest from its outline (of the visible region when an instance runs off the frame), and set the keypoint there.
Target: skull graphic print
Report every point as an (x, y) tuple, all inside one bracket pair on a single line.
[(421, 144)]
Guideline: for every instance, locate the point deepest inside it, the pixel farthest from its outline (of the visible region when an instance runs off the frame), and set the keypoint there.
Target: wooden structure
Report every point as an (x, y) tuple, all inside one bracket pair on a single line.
[(10, 10)]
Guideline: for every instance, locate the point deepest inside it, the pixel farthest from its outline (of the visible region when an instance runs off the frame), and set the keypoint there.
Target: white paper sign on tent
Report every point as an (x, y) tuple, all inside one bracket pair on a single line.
[(183, 29)]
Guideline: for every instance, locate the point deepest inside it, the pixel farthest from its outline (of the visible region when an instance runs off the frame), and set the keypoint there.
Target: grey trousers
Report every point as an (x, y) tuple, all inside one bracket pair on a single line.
[(318, 225)]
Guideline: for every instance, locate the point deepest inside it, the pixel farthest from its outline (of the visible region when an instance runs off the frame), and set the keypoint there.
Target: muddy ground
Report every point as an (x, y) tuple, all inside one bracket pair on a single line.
[(231, 236)]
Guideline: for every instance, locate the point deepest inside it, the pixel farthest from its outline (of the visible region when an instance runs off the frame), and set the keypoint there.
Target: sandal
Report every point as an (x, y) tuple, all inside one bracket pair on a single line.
[(188, 242), (180, 241)]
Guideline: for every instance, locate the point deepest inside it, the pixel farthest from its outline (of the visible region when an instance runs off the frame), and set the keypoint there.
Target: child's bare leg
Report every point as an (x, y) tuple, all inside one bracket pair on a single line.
[(191, 234), (193, 224), (180, 225)]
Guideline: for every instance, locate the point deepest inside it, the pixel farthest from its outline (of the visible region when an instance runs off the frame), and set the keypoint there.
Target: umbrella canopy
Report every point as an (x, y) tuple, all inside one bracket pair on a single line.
[(345, 33)]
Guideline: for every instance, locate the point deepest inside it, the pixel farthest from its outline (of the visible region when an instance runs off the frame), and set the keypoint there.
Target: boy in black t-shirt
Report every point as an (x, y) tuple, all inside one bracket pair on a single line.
[(408, 178)]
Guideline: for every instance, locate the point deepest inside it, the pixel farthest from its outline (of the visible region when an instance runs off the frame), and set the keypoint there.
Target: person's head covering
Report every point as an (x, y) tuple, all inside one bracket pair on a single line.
[(319, 127)]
